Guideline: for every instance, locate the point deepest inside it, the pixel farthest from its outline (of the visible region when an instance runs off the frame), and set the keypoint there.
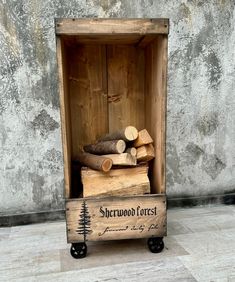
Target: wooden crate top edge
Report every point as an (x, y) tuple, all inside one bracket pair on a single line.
[(111, 26), (113, 198)]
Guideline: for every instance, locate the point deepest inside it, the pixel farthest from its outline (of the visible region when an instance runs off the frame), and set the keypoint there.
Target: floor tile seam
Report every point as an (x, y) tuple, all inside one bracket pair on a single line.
[(189, 270)]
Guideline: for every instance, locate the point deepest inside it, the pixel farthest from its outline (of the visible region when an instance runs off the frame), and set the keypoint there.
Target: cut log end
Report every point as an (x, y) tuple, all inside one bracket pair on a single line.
[(106, 165), (95, 162), (131, 133), (120, 146), (132, 151)]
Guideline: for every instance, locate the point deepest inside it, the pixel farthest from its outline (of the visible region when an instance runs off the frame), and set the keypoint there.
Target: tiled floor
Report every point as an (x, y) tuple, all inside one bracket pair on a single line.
[(200, 247)]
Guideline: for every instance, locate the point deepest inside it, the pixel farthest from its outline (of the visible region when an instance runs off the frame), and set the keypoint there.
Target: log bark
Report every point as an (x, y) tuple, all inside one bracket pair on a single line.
[(143, 138), (125, 181), (95, 162), (128, 133), (124, 159), (145, 153), (106, 147)]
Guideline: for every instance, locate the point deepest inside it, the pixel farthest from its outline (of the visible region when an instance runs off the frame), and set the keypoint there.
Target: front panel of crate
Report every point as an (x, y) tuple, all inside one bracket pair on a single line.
[(114, 218)]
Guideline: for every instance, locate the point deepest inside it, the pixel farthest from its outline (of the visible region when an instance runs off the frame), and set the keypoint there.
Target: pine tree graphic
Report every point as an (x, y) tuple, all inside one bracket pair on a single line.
[(84, 221)]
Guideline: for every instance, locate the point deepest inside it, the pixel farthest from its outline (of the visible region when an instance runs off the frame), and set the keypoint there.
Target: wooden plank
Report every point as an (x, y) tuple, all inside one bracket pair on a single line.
[(64, 114), (88, 91), (125, 181), (145, 40), (112, 26), (124, 159), (156, 80), (125, 86), (145, 153), (116, 218), (104, 39)]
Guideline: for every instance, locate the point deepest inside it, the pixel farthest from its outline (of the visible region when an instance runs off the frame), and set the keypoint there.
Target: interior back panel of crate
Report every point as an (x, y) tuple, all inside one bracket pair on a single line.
[(106, 88), (126, 67), (88, 94)]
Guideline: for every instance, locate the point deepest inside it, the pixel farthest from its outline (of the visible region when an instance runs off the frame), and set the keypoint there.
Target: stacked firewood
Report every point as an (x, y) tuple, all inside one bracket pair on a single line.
[(117, 164)]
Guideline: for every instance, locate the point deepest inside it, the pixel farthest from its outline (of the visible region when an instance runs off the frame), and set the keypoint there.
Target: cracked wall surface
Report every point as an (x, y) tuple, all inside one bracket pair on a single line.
[(201, 100)]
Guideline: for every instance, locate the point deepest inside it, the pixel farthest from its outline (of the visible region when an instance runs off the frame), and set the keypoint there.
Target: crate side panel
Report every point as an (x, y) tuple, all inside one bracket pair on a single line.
[(116, 218), (155, 108), (64, 112)]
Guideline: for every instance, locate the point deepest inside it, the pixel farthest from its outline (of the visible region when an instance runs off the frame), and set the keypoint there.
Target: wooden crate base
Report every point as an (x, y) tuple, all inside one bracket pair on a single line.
[(114, 218)]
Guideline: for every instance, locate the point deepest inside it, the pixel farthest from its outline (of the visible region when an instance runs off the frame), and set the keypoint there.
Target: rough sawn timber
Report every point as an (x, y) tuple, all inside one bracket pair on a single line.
[(124, 159), (111, 26), (124, 181)]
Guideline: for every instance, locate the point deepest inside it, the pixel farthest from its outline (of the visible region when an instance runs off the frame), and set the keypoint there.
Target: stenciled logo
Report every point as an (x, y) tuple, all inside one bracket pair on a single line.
[(84, 223)]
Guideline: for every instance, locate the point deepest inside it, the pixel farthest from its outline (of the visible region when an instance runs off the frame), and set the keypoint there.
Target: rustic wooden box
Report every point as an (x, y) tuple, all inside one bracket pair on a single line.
[(112, 73)]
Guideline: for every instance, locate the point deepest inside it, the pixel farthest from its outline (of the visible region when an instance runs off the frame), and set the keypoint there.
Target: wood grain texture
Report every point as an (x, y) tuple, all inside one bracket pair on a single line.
[(145, 153), (102, 39), (123, 181), (143, 138), (64, 113), (145, 40), (88, 95), (125, 86), (117, 217), (156, 80), (124, 159), (112, 26)]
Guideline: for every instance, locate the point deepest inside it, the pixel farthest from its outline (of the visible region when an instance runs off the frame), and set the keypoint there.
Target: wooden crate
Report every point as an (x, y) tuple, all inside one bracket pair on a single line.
[(112, 73)]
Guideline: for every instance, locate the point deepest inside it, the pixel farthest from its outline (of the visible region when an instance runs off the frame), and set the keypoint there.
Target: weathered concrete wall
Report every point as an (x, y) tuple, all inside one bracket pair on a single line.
[(201, 100)]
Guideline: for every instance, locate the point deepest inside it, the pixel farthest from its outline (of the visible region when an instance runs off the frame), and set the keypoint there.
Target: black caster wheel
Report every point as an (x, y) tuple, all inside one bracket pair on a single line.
[(156, 244), (78, 250)]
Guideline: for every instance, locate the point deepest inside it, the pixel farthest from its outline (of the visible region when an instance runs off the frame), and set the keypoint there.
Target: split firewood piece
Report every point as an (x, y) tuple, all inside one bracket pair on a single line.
[(116, 182), (129, 133), (122, 159), (131, 151), (143, 138), (106, 147), (145, 153), (95, 162)]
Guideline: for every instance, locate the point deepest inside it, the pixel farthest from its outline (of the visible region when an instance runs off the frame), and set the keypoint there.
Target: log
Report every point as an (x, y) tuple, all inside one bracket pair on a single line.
[(128, 133), (131, 151), (95, 162), (143, 138), (145, 153), (106, 147), (125, 181), (122, 159)]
